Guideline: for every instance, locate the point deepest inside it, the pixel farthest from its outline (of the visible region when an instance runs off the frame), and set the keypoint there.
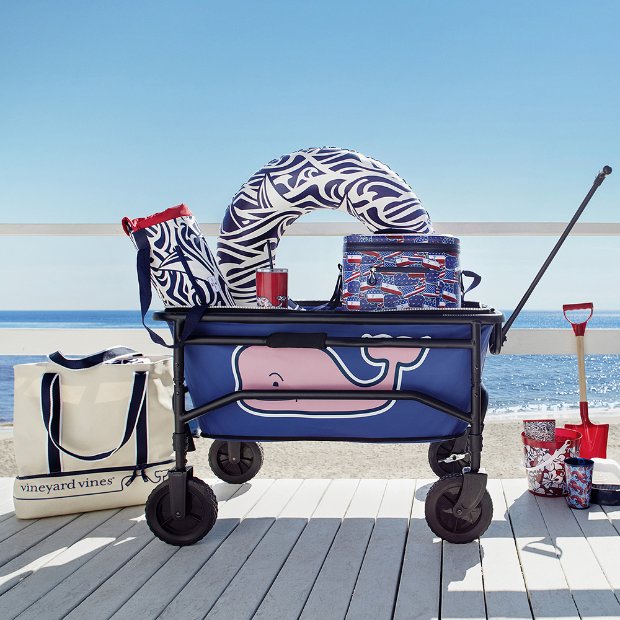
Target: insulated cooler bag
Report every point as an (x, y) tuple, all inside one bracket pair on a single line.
[(173, 251), (214, 371), (173, 257), (398, 272), (91, 433)]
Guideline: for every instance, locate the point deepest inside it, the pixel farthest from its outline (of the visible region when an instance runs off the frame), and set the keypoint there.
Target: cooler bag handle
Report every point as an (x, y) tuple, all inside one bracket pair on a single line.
[(51, 409), (90, 361), (395, 231), (476, 279), (550, 458), (334, 300), (143, 265)]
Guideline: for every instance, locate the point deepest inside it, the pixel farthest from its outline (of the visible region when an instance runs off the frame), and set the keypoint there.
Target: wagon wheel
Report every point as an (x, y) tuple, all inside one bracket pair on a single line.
[(200, 516), (244, 468), (439, 452), (440, 501), (440, 458)]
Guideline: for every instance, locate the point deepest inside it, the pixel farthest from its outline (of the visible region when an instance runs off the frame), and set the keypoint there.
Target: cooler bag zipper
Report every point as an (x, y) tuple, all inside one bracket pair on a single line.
[(402, 247), (372, 278)]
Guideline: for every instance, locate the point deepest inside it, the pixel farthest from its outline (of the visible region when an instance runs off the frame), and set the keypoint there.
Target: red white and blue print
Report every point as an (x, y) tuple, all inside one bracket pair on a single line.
[(578, 482), (423, 272), (545, 475)]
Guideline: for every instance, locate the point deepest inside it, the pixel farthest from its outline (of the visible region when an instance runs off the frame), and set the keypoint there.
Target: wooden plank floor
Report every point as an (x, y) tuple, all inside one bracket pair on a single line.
[(317, 550)]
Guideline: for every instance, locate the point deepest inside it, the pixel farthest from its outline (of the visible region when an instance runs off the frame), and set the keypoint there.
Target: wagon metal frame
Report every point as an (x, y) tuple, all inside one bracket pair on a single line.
[(474, 316)]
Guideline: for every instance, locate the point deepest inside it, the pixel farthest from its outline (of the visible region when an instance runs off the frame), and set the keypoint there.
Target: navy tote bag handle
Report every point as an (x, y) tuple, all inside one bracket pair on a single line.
[(51, 409), (90, 361)]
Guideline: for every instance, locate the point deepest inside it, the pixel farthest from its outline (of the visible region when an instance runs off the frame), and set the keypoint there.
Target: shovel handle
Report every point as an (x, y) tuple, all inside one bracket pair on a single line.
[(586, 305), (581, 362), (578, 327)]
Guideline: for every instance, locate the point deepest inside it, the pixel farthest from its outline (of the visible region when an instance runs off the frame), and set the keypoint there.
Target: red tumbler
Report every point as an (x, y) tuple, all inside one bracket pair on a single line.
[(272, 288)]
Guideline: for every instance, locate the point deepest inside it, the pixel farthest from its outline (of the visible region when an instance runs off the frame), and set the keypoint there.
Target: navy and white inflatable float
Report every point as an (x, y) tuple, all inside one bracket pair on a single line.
[(301, 182)]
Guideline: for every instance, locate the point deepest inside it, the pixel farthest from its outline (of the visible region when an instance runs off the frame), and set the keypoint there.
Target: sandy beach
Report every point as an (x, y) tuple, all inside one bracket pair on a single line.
[(501, 456)]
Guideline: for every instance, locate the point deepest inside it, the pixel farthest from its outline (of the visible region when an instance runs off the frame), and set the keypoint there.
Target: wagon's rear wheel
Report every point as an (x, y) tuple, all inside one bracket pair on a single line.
[(439, 510), (235, 468), (445, 460), (450, 456), (200, 513)]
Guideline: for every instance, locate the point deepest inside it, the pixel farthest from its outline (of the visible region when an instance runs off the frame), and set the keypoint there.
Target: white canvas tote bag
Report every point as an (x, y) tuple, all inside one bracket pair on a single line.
[(91, 433)]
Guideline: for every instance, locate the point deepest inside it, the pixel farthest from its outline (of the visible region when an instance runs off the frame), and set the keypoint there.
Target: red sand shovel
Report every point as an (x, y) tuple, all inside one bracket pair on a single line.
[(594, 440)]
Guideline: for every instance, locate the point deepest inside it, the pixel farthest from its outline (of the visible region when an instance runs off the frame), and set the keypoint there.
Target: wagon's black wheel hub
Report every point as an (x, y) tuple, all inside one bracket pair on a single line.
[(445, 496), (445, 451), (440, 452), (238, 468), (452, 522), (200, 513), (235, 462), (192, 518)]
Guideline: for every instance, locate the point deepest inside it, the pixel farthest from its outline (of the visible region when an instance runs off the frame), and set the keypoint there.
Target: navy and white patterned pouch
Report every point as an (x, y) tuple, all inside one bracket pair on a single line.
[(174, 257)]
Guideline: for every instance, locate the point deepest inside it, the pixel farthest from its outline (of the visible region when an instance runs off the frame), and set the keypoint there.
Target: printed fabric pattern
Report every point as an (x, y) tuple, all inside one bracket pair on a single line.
[(540, 430), (579, 485), (419, 279), (183, 270), (549, 480), (301, 182)]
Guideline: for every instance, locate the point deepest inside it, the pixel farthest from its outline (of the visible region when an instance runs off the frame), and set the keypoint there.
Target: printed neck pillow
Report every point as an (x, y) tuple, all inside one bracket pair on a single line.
[(301, 182)]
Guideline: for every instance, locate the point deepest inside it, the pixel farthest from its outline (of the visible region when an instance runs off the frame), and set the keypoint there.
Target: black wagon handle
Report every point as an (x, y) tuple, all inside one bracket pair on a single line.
[(600, 177)]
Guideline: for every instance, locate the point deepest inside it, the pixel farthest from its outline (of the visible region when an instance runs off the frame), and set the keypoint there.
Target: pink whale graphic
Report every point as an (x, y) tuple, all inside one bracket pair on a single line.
[(262, 368)]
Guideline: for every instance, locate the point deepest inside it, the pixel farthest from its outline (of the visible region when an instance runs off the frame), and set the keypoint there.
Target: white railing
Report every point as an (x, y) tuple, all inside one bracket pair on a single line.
[(337, 229), (21, 341)]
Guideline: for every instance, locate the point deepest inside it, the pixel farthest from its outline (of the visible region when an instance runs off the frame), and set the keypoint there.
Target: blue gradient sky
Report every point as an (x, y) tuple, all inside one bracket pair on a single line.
[(490, 110)]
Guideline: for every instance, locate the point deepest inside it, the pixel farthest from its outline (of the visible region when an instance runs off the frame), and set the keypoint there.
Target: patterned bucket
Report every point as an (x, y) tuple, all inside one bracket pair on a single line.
[(541, 430), (544, 461)]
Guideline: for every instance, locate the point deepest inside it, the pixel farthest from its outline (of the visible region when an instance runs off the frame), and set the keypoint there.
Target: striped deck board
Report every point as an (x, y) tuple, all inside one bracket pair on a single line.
[(316, 549)]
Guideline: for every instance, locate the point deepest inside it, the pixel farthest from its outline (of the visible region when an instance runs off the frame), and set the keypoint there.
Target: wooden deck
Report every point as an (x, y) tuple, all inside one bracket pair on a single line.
[(316, 549)]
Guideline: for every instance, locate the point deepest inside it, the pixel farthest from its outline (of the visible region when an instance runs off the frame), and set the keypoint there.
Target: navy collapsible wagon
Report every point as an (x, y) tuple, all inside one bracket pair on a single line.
[(387, 376), (281, 375)]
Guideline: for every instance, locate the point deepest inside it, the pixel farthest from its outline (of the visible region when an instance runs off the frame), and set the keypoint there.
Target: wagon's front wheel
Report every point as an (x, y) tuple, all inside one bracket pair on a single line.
[(235, 462), (200, 513), (439, 510)]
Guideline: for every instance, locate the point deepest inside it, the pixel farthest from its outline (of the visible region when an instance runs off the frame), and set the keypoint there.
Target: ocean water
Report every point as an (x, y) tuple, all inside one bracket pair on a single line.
[(516, 383)]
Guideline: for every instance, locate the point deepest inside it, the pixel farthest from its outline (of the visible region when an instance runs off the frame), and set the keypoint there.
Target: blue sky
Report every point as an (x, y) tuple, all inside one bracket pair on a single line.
[(490, 110)]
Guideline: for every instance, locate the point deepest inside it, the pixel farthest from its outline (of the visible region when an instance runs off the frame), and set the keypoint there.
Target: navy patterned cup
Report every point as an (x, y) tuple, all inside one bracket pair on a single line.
[(578, 482)]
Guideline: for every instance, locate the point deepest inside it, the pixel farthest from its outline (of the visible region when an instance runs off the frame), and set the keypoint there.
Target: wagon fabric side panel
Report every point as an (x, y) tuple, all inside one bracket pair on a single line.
[(212, 371)]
